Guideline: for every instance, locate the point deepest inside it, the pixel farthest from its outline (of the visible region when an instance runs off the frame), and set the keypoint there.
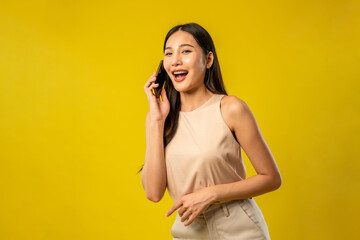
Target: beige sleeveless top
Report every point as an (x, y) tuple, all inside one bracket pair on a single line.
[(203, 151)]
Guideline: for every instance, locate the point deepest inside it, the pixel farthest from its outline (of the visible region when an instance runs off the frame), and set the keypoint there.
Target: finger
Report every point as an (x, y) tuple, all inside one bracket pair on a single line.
[(150, 94), (149, 89), (155, 85), (149, 82), (191, 219), (181, 211), (185, 216), (151, 79), (173, 208), (153, 88)]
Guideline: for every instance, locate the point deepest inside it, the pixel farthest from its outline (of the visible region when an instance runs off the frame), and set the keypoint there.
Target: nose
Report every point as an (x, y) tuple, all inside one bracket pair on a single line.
[(176, 59)]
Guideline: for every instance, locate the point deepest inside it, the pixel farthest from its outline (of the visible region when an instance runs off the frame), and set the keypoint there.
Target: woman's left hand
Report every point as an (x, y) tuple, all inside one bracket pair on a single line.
[(193, 204)]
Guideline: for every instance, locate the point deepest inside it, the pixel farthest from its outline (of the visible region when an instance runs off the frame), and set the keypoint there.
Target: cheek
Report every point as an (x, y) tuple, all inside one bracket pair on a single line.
[(194, 62), (167, 67), (191, 62)]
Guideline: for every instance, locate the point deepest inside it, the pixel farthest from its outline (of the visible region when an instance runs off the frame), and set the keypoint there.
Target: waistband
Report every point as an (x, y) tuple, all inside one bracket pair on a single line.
[(223, 205)]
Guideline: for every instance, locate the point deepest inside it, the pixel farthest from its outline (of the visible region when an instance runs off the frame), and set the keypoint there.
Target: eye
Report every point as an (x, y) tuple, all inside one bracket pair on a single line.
[(186, 51), (166, 54)]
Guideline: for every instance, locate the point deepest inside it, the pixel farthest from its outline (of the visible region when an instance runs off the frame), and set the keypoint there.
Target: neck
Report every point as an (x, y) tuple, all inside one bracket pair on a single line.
[(192, 100)]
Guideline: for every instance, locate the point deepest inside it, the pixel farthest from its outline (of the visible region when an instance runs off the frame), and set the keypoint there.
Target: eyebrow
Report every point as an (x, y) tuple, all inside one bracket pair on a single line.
[(182, 45)]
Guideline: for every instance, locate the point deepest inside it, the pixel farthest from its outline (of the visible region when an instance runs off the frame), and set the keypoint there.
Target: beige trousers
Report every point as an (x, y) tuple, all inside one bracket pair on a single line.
[(233, 220)]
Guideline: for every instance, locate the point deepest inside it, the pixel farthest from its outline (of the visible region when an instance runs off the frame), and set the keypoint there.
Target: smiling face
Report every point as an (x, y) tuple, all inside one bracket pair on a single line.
[(184, 56)]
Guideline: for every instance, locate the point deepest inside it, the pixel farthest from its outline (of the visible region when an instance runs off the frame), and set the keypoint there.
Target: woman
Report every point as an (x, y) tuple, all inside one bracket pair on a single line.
[(194, 137)]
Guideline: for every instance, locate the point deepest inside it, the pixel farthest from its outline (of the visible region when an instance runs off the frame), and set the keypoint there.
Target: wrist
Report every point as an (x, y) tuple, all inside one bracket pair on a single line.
[(214, 194), (157, 124)]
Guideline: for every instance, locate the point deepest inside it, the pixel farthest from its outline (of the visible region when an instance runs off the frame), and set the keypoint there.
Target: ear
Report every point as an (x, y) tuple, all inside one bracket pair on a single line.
[(209, 59)]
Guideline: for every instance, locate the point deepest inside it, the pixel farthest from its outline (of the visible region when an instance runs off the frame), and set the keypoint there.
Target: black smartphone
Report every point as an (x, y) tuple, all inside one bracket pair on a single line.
[(160, 79)]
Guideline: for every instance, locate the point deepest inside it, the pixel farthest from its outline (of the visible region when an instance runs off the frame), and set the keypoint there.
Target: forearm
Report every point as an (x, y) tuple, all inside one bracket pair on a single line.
[(154, 170), (250, 187)]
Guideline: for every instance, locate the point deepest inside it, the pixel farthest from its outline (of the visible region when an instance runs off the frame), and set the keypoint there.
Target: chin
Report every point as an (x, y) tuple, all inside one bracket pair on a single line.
[(180, 89), (184, 89), (184, 86)]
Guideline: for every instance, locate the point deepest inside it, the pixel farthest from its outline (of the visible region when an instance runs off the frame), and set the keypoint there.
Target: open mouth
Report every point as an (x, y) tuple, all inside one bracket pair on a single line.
[(181, 75)]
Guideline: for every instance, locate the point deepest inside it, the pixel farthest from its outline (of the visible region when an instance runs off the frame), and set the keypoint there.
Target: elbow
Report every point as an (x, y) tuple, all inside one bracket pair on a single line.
[(154, 197), (154, 194), (277, 181)]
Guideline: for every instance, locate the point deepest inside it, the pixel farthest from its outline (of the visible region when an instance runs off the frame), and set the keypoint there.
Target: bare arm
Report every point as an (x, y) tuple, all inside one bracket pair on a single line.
[(153, 175), (241, 120)]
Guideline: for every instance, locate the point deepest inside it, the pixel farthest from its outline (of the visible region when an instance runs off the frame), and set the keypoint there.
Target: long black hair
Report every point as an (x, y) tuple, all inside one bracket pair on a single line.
[(213, 79)]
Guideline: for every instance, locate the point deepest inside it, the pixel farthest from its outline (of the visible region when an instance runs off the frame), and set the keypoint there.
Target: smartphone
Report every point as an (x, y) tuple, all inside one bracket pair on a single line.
[(160, 79)]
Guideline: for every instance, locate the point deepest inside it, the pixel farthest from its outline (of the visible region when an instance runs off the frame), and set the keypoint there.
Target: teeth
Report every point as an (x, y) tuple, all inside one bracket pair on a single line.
[(179, 72)]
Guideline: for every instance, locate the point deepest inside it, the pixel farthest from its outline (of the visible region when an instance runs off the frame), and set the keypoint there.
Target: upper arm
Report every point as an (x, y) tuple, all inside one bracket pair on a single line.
[(242, 122), (147, 132), (147, 121)]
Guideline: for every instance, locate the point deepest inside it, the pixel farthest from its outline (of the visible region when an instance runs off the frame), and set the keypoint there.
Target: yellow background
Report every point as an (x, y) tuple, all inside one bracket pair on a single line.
[(72, 111)]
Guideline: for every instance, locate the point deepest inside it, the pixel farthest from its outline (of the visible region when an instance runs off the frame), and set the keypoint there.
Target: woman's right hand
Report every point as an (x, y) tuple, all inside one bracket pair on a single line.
[(158, 109)]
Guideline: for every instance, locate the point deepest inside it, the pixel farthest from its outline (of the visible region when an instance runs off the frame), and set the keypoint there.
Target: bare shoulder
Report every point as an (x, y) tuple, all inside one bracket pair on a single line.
[(233, 109), (233, 103)]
